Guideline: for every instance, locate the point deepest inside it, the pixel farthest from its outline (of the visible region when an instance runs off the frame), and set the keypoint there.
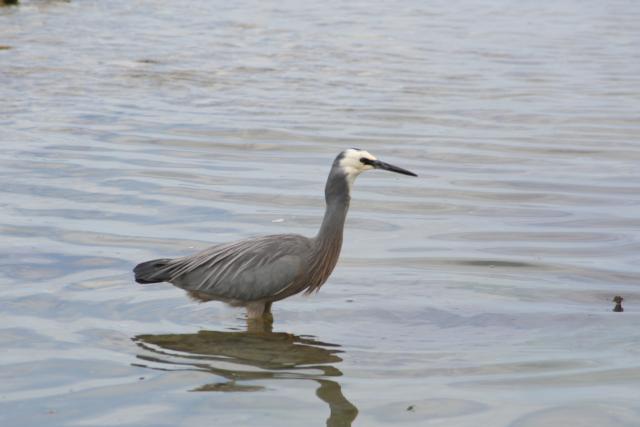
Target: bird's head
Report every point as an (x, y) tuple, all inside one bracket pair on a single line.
[(353, 162)]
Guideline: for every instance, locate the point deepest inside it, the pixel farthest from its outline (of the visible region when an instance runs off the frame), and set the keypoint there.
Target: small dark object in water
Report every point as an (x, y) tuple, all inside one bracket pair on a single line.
[(411, 408), (618, 300)]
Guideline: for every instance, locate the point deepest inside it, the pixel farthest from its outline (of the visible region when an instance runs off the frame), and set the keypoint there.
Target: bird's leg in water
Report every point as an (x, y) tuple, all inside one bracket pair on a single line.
[(259, 317), (259, 310), (267, 308), (255, 310), (260, 326), (267, 316)]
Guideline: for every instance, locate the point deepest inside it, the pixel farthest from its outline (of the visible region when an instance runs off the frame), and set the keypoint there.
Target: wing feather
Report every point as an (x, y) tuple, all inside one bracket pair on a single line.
[(247, 270)]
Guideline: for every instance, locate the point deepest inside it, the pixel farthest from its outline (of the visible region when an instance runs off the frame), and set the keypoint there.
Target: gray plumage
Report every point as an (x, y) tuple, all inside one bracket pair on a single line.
[(256, 272)]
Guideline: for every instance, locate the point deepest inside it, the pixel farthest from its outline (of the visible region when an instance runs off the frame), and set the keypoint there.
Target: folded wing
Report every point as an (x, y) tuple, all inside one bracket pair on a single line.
[(248, 270)]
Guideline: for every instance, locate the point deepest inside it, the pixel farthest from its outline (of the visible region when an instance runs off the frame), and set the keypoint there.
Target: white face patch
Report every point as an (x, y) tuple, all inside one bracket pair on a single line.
[(351, 164)]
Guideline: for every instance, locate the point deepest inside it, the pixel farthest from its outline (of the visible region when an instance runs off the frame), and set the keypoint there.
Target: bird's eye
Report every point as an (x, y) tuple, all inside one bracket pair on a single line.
[(366, 161)]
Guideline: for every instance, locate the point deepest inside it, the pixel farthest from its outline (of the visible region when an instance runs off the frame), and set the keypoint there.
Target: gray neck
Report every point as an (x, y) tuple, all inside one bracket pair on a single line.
[(328, 242), (337, 197)]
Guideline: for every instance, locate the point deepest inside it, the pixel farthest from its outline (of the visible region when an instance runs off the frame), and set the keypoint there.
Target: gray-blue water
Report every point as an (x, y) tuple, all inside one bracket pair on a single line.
[(477, 294)]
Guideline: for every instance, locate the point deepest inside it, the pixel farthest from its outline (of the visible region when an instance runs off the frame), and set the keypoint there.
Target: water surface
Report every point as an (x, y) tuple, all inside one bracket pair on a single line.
[(477, 294)]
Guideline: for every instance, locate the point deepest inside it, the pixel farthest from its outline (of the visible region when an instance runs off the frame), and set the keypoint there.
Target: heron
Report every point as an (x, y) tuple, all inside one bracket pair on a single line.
[(254, 273)]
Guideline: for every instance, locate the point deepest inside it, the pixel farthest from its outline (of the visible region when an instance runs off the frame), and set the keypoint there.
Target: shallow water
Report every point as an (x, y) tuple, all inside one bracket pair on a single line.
[(477, 294)]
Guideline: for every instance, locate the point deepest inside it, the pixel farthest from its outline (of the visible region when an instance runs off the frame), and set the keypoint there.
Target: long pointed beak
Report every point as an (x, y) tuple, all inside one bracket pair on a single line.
[(386, 166)]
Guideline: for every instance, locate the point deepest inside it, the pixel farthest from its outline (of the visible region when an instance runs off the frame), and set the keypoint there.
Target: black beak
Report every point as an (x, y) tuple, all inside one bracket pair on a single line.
[(386, 166)]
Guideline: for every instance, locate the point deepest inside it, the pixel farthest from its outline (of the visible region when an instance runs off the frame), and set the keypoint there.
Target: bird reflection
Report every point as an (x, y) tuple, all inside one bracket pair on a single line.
[(278, 355)]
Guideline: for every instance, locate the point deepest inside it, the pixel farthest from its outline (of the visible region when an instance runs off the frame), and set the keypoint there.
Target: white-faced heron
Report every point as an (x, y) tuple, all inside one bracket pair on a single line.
[(254, 273)]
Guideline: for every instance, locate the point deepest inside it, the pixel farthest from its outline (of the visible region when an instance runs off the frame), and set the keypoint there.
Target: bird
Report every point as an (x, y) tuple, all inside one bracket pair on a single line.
[(618, 300), (256, 272)]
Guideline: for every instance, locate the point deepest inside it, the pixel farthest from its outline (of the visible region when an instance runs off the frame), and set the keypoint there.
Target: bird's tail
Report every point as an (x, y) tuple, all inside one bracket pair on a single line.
[(153, 271)]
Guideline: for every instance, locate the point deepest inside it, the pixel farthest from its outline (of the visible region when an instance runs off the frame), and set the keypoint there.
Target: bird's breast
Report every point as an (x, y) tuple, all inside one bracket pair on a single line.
[(323, 260)]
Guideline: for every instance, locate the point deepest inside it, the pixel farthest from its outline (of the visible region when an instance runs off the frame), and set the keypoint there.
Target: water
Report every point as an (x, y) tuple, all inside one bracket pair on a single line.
[(477, 294)]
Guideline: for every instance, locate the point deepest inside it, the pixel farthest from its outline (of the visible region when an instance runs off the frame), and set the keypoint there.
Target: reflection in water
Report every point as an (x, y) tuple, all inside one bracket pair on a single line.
[(278, 355)]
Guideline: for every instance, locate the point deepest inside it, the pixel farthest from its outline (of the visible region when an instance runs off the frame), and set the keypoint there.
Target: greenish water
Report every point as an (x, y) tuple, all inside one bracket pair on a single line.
[(478, 294)]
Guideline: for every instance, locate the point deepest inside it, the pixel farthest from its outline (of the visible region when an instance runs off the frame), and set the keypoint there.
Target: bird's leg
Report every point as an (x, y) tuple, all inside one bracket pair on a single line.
[(266, 315), (255, 310), (267, 307), (259, 326), (258, 309), (259, 317)]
